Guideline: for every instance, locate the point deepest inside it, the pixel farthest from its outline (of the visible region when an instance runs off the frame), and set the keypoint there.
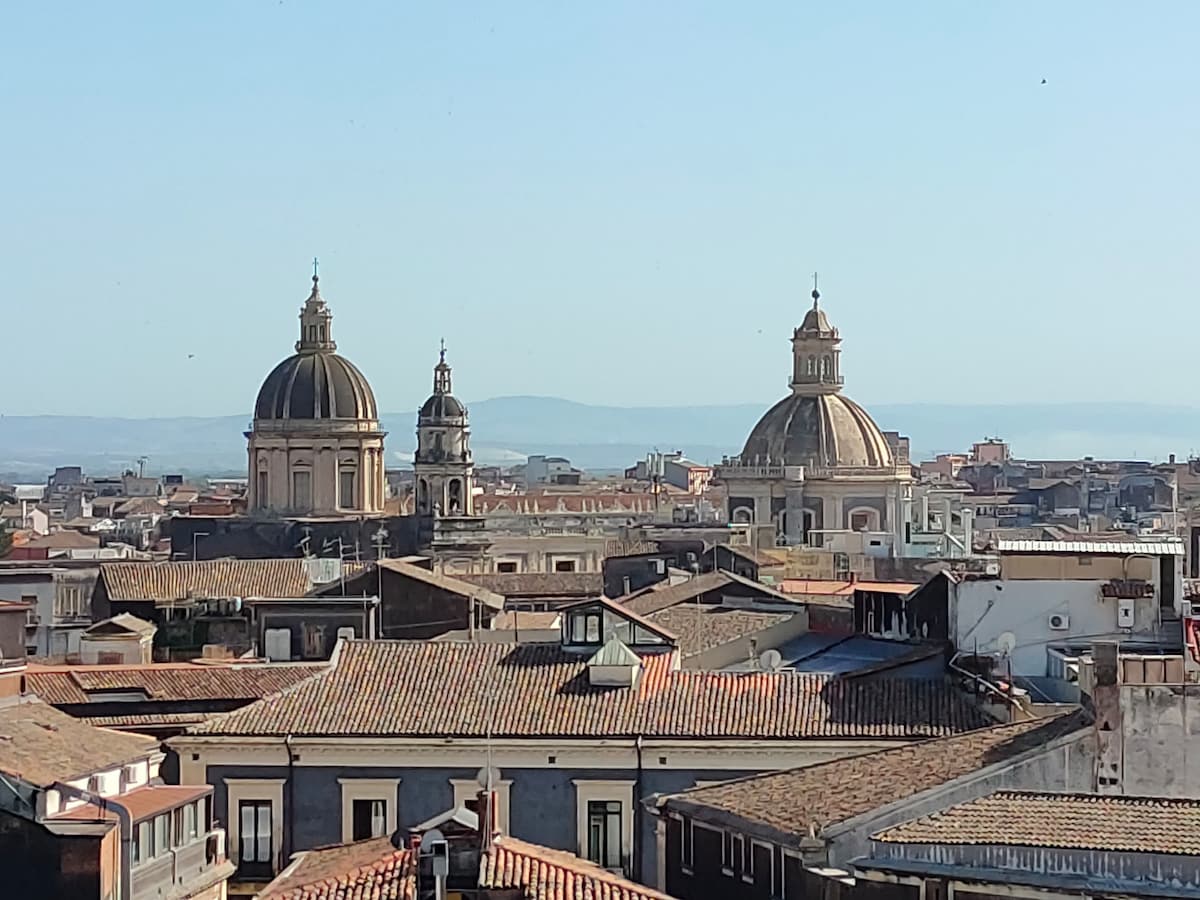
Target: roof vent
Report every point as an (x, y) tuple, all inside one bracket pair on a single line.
[(614, 665)]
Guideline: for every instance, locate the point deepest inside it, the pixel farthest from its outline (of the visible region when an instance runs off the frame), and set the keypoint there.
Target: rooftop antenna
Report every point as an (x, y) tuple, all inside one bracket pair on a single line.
[(816, 295)]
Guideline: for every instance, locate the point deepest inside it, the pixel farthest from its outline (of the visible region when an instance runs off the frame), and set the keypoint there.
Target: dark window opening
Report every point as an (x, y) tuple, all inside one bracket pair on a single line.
[(369, 819), (604, 833), (564, 565), (506, 567)]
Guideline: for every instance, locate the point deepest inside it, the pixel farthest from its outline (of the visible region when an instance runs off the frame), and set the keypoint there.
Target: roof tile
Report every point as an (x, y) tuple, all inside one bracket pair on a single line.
[(208, 579), (1061, 821), (541, 690)]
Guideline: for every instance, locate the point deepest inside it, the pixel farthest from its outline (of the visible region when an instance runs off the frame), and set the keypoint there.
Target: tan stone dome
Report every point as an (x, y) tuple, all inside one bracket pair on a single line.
[(825, 429)]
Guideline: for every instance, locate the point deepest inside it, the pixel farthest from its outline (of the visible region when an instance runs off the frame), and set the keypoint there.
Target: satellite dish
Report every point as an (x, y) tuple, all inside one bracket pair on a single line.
[(481, 777), (770, 660), (1007, 642)]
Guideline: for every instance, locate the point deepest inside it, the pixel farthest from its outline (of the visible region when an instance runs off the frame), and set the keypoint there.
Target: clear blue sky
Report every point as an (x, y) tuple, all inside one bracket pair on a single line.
[(610, 202)]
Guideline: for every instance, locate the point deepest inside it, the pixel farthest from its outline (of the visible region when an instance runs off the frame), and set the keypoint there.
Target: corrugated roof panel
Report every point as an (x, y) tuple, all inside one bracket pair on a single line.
[(1166, 547)]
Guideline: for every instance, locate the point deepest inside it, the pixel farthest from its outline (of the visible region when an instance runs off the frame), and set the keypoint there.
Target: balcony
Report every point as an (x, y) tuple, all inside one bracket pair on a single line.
[(190, 869), (732, 470)]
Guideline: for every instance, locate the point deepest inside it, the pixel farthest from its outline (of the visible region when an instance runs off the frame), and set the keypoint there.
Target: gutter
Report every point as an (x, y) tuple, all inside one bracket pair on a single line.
[(289, 810), (637, 813), (125, 823)]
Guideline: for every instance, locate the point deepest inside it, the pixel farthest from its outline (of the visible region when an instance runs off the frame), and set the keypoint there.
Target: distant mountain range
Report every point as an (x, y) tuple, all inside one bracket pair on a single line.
[(506, 429)]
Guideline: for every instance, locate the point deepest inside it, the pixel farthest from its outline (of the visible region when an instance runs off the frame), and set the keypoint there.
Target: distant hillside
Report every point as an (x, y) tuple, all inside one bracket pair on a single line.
[(506, 429)]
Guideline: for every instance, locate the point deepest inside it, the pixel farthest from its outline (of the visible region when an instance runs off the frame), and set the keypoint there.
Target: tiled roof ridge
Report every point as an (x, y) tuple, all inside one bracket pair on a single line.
[(962, 736), (1086, 797), (402, 858)]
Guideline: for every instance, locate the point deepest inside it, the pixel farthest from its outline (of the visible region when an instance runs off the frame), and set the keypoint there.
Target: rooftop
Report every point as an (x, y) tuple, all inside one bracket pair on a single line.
[(834, 654), (375, 870), (662, 595), (165, 582), (142, 803), (67, 685), (787, 805), (700, 627), (1061, 822), (543, 691), (1119, 547), (41, 745), (444, 582), (540, 584)]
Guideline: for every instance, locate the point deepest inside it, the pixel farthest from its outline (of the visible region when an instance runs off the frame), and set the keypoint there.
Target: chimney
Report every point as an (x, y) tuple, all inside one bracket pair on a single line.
[(489, 818), (1109, 727)]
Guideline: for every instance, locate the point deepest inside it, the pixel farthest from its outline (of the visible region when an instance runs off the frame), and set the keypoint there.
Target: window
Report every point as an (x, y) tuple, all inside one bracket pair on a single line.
[(189, 820), (314, 641), (263, 498), (859, 522), (179, 832), (301, 489), (346, 496), (732, 853), (143, 844), (162, 833), (604, 833), (564, 565), (506, 567), (585, 628), (748, 860), (1085, 560), (368, 807), (254, 833), (369, 819)]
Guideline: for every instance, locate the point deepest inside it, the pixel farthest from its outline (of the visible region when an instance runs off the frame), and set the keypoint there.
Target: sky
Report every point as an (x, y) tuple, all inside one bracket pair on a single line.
[(615, 203)]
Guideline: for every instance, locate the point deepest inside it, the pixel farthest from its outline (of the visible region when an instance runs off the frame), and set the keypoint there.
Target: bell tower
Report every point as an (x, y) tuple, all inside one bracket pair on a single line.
[(443, 467)]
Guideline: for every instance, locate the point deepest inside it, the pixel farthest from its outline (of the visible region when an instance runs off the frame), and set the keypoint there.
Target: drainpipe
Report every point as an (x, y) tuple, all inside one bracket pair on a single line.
[(636, 837), (289, 810), (125, 823)]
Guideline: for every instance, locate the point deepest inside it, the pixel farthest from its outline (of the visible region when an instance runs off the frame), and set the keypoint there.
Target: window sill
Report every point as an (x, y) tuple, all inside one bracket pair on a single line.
[(749, 879), (686, 870), (725, 871)]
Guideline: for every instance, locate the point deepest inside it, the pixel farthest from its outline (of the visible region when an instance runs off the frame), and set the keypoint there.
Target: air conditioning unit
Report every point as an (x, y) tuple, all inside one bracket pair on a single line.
[(1058, 621)]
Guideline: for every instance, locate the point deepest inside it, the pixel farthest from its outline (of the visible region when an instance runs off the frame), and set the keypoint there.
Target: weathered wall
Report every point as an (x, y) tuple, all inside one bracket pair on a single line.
[(1161, 731), (987, 609)]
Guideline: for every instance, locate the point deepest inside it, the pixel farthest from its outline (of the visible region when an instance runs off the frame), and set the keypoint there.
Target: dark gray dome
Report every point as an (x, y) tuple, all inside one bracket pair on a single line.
[(316, 386), (443, 406), (824, 430)]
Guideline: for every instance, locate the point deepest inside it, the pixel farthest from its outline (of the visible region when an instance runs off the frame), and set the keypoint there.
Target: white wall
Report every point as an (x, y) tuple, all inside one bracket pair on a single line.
[(989, 608)]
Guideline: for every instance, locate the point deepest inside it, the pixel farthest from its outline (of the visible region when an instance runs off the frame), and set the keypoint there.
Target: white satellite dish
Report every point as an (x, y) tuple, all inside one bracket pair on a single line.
[(431, 837), (481, 778), (1007, 643), (770, 660)]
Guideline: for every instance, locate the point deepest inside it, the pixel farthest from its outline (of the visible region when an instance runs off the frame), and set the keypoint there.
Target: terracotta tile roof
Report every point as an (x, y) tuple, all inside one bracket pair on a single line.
[(145, 721), (702, 626), (540, 873), (540, 584), (65, 685), (787, 804), (1062, 822), (143, 802), (375, 870), (365, 870), (64, 540), (208, 579), (622, 610), (541, 690), (41, 745)]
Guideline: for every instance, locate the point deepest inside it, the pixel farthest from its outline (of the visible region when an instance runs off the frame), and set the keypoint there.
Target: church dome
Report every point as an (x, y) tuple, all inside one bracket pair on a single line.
[(824, 430), (443, 406), (316, 385)]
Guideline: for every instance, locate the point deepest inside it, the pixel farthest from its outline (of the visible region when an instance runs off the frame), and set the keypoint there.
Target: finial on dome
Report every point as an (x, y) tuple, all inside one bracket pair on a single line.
[(442, 355), (816, 295), (316, 277)]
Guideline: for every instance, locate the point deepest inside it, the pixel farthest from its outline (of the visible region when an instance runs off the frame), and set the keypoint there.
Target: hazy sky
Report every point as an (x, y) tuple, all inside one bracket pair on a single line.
[(609, 202)]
